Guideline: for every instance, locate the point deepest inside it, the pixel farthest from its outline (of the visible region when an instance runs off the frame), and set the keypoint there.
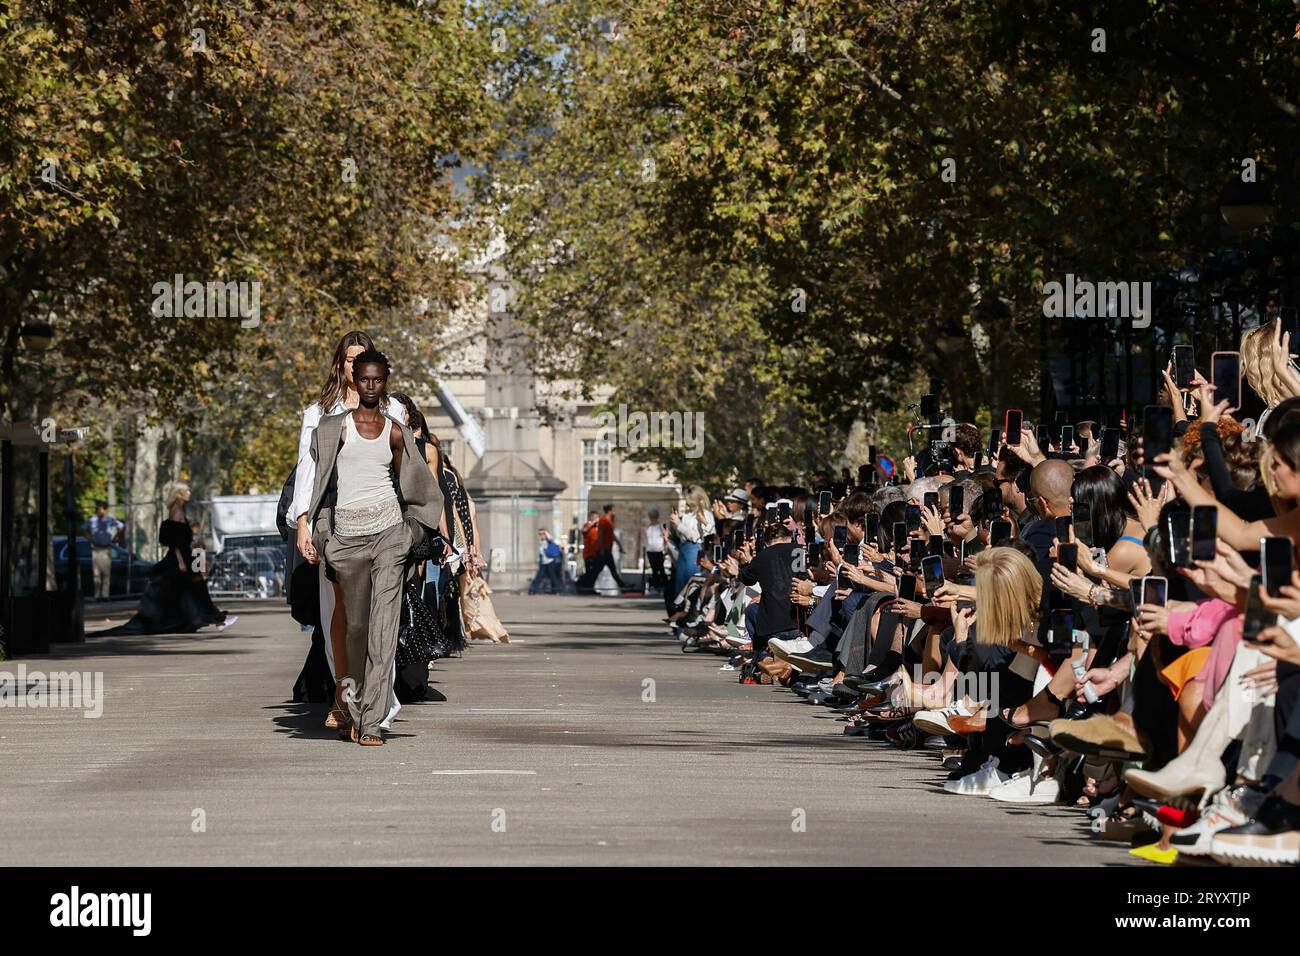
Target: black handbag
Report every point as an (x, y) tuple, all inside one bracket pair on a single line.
[(419, 636)]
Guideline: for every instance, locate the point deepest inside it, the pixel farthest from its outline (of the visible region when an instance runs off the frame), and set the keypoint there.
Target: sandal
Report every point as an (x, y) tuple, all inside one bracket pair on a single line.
[(365, 740), (338, 718), (1060, 705)]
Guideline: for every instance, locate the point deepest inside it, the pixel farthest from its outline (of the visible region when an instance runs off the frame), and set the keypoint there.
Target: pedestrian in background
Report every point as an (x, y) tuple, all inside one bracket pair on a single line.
[(104, 531), (550, 558), (654, 549)]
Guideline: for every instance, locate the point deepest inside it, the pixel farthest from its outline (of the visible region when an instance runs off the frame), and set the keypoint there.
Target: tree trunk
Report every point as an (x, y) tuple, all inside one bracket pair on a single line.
[(112, 468), (144, 509)]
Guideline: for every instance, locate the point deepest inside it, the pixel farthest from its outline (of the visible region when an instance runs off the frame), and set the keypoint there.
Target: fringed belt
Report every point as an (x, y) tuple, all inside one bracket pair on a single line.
[(372, 519)]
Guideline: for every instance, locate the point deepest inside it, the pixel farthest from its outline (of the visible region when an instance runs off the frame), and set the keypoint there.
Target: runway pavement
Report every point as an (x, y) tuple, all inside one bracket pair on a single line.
[(551, 750)]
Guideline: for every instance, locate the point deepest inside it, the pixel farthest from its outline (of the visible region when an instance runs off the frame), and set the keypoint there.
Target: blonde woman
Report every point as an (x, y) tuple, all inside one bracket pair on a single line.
[(1264, 364), (176, 599), (691, 526), (1008, 599)]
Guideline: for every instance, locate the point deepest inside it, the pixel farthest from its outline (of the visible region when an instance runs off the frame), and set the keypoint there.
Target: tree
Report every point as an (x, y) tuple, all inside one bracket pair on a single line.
[(876, 193)]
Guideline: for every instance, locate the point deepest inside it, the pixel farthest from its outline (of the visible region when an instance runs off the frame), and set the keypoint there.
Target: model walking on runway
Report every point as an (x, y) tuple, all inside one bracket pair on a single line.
[(365, 531), (337, 394)]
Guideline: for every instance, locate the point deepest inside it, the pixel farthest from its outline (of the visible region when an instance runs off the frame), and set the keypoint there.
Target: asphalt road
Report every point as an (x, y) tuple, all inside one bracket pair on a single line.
[(551, 750)]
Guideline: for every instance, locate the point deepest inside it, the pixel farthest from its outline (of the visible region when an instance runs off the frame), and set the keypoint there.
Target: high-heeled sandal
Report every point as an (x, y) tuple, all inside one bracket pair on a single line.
[(1060, 705)]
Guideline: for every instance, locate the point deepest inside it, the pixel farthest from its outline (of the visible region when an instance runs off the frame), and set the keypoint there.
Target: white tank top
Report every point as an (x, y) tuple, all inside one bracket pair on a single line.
[(363, 469)]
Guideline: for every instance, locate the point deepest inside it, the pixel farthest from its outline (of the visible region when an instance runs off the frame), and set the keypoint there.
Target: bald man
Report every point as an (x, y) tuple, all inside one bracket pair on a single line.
[(1049, 495)]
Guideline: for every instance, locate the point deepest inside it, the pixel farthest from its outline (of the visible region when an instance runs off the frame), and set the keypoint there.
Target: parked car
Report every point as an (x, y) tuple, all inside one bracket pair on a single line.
[(127, 577), (253, 572)]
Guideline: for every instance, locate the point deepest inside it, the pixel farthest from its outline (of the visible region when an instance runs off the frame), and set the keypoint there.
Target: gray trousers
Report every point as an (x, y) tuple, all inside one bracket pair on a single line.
[(101, 563), (370, 570)]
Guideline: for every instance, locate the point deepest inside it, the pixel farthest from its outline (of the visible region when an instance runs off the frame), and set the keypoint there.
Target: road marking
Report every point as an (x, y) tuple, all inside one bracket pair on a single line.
[(476, 773)]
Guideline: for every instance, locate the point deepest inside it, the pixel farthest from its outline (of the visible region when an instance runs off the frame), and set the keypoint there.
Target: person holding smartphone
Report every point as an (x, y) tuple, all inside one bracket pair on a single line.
[(1282, 477), (773, 570), (1115, 528)]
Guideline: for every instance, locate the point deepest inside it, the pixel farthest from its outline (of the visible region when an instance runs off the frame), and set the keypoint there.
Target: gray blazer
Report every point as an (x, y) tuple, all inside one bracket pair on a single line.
[(421, 496)]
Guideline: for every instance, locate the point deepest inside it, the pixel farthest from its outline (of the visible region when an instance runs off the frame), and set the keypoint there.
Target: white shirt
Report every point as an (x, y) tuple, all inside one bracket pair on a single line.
[(654, 537), (304, 479), (692, 528)]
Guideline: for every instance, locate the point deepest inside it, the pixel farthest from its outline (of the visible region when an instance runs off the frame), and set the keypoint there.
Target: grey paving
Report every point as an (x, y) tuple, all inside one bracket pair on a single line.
[(544, 752)]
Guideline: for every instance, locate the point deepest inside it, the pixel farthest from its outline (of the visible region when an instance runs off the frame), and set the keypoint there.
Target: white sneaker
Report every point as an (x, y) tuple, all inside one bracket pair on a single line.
[(1222, 813), (1022, 788), (979, 783), (783, 649), (935, 722)]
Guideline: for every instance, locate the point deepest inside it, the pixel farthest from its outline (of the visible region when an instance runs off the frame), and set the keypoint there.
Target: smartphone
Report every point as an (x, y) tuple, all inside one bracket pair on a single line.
[(932, 569), (840, 536), (872, 458), (1067, 556), (1275, 563), (1060, 641), (1135, 592), (1067, 436), (934, 545), (1157, 432), (839, 489), (852, 553), (956, 501), (1178, 531), (900, 535), (1290, 321), (1044, 437), (865, 476), (999, 531), (1184, 365), (1012, 425), (815, 554), (1257, 617), (992, 500), (907, 587), (917, 553), (929, 407), (1082, 514), (749, 527), (1225, 376), (1155, 591), (931, 500), (1109, 445), (1063, 525), (783, 511), (995, 439), (1205, 528), (717, 554), (873, 528), (913, 515), (824, 503)]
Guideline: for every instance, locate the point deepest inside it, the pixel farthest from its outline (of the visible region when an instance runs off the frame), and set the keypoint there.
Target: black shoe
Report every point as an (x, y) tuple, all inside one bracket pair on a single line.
[(845, 693), (1274, 816)]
